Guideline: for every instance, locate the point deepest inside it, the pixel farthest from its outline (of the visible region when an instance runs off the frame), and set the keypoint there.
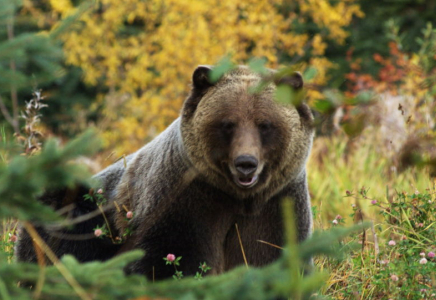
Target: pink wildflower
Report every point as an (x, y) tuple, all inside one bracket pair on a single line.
[(171, 257), (13, 238), (338, 217), (373, 202), (422, 254), (392, 243), (100, 191), (420, 225), (431, 254), (129, 215), (98, 232), (394, 277), (335, 222), (423, 261)]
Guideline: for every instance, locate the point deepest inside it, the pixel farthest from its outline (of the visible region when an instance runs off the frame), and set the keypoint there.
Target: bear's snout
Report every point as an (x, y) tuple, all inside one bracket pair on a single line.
[(246, 167)]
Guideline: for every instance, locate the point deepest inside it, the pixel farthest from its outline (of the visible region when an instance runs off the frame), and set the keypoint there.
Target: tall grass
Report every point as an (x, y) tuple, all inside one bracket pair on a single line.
[(7, 226), (338, 165), (394, 201)]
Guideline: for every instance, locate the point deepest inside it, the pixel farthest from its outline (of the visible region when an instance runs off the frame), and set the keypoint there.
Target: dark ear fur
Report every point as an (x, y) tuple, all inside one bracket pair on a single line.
[(296, 82), (200, 78), (200, 84)]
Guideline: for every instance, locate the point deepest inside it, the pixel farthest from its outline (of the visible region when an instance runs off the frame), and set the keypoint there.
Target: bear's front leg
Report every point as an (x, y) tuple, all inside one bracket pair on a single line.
[(78, 239), (299, 194), (181, 239), (262, 235), (194, 232)]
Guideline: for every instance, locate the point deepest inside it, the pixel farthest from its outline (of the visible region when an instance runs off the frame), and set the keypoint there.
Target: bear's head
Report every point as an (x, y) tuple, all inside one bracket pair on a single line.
[(243, 142)]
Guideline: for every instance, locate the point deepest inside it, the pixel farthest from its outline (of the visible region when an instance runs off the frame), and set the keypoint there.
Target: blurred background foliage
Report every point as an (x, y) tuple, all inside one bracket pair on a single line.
[(130, 63)]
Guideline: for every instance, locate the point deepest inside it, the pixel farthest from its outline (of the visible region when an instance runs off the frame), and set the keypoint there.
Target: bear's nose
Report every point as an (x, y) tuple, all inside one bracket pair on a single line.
[(246, 164)]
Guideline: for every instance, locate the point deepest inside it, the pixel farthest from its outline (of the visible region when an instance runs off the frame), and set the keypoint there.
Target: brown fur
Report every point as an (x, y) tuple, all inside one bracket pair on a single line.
[(231, 157)]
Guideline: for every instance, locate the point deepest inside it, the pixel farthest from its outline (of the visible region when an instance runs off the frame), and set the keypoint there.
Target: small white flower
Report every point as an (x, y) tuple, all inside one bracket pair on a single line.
[(335, 222), (423, 261)]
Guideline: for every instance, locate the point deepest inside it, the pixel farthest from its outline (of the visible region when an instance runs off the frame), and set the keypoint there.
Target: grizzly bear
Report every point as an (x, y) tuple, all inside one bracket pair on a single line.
[(230, 158)]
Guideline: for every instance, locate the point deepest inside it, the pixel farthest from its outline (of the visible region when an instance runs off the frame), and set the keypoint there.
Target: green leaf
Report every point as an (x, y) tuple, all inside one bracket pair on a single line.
[(283, 94), (309, 73), (364, 97), (323, 106), (257, 65), (223, 66), (287, 95)]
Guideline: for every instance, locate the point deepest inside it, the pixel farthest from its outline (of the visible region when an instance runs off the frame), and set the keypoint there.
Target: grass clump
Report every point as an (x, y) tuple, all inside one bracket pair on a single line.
[(397, 255)]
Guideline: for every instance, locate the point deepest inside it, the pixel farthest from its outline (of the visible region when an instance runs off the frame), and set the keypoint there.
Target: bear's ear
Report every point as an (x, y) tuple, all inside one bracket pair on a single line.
[(200, 78), (200, 84), (295, 80)]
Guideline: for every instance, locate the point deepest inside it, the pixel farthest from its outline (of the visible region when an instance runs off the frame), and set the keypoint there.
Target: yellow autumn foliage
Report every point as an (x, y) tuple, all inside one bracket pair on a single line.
[(145, 51)]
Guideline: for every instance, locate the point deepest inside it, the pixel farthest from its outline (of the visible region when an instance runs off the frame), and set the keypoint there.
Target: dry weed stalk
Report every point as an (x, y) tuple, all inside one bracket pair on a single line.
[(31, 134)]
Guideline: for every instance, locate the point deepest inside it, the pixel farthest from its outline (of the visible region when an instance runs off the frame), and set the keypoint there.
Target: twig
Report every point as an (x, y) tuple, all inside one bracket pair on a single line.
[(107, 223), (69, 222), (6, 113), (242, 247), (14, 97), (272, 245), (41, 263), (56, 262), (73, 237), (374, 235)]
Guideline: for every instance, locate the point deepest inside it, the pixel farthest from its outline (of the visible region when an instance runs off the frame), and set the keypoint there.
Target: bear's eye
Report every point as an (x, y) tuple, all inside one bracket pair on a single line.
[(265, 127), (227, 127)]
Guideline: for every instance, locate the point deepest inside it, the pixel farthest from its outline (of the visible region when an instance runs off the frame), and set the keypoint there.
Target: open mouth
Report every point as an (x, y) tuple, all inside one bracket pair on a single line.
[(247, 182)]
